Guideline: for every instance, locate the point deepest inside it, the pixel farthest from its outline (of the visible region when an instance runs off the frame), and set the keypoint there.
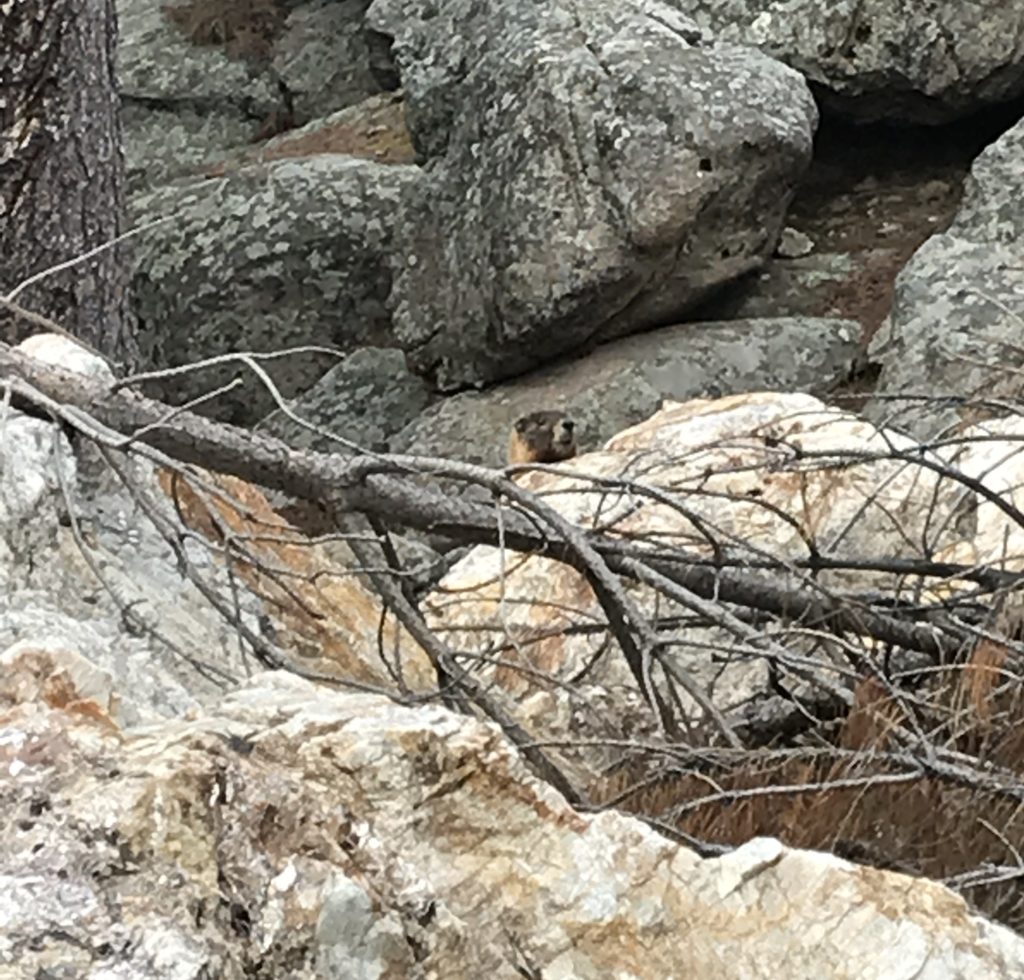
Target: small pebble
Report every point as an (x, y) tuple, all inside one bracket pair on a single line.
[(793, 244)]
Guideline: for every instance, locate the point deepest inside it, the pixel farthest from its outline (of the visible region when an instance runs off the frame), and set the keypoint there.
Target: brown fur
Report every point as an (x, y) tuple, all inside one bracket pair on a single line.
[(542, 437)]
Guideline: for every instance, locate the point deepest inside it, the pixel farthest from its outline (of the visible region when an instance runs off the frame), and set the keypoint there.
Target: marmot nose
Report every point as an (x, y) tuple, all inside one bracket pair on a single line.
[(568, 425)]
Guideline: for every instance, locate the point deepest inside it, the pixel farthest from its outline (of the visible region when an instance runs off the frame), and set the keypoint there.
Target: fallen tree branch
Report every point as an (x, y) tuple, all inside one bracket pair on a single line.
[(384, 486)]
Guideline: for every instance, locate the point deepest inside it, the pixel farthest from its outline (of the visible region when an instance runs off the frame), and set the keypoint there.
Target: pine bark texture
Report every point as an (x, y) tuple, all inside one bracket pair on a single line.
[(62, 170)]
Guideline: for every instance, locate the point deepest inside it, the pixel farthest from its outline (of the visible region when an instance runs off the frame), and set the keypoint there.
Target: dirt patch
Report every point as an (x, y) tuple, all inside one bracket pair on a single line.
[(866, 296), (373, 130), (378, 132), (871, 197), (246, 29), (877, 193)]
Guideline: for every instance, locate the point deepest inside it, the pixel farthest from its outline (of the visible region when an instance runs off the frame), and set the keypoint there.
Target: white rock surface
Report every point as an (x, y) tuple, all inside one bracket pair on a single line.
[(324, 834), (87, 577), (60, 351)]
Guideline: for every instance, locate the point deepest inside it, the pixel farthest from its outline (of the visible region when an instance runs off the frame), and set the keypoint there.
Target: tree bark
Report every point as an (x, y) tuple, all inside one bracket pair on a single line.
[(62, 170)]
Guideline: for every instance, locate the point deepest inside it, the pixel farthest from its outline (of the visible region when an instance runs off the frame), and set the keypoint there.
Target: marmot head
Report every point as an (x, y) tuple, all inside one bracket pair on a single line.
[(542, 437)]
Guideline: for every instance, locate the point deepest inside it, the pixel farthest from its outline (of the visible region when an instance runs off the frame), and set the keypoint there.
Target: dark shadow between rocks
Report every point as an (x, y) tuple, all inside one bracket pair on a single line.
[(873, 194)]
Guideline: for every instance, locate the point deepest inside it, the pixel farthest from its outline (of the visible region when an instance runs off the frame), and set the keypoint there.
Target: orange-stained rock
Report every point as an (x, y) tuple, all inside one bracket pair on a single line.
[(329, 834), (321, 608)]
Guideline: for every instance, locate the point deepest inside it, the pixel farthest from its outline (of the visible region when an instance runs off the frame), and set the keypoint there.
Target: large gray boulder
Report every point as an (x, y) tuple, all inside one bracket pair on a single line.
[(625, 382), (322, 58), (289, 254), (186, 103), (596, 170), (885, 59), (957, 321), (183, 104), (161, 144), (362, 402), (158, 63)]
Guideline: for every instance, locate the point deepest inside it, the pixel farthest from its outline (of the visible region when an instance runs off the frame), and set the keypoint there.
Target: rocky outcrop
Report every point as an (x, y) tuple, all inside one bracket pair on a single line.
[(955, 326), (296, 832), (748, 477), (592, 170), (625, 381), (108, 568), (321, 57), (84, 576), (883, 59), (289, 254), (362, 403), (198, 78), (154, 825), (163, 144), (182, 103)]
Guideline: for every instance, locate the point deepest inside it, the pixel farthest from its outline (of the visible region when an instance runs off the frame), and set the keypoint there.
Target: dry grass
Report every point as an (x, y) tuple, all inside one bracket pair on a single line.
[(927, 826)]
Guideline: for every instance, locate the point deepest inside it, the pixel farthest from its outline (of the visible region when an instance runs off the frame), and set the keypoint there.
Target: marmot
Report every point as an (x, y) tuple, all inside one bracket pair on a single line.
[(542, 437)]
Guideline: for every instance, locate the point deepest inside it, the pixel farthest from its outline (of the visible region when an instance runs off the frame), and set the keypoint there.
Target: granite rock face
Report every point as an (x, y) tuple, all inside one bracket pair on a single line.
[(884, 59), (592, 170), (955, 325), (289, 254), (289, 829), (106, 576), (185, 103), (294, 831), (625, 381), (321, 57), (182, 103)]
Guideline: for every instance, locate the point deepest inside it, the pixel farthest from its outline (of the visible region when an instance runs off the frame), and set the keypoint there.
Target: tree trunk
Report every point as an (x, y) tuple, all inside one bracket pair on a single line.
[(62, 171)]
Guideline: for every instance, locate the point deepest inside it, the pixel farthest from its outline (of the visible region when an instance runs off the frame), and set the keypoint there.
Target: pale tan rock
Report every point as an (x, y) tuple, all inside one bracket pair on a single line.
[(323, 612), (75, 589), (757, 472), (991, 452), (337, 835)]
